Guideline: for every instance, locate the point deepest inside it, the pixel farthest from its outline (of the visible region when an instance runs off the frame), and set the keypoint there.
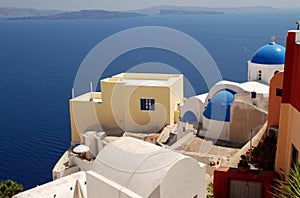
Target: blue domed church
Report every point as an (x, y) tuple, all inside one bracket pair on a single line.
[(231, 110), (267, 60)]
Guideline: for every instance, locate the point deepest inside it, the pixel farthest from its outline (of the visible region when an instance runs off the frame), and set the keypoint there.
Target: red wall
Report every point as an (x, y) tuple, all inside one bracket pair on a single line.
[(223, 175), (291, 83)]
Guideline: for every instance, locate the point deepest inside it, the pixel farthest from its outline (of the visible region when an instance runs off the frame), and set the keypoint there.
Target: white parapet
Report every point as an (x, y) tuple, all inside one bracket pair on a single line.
[(64, 187)]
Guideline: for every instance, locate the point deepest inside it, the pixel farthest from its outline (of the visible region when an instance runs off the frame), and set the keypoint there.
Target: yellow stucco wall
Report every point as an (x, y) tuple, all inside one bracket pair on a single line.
[(82, 114), (120, 106), (139, 120), (176, 97), (288, 135), (104, 111)]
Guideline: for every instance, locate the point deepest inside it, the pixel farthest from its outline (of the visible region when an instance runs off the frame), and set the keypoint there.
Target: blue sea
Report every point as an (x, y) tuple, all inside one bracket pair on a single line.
[(39, 60)]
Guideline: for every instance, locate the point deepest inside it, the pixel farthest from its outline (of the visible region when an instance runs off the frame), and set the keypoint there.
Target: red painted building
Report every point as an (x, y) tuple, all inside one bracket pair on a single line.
[(229, 182), (288, 145)]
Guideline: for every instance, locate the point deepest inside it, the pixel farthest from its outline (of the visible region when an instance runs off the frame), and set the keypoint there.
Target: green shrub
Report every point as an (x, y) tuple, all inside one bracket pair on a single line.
[(210, 190), (9, 188)]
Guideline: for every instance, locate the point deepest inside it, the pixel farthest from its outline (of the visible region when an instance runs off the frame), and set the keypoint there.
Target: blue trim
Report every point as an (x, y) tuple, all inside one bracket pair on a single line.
[(147, 104), (189, 117), (218, 108)]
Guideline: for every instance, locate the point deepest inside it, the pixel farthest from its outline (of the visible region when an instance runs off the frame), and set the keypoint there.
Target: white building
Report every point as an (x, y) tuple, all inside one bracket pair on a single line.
[(127, 168), (235, 111)]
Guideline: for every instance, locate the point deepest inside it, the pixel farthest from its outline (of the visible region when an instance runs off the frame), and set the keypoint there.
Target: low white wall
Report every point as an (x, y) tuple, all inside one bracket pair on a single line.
[(84, 165), (59, 173)]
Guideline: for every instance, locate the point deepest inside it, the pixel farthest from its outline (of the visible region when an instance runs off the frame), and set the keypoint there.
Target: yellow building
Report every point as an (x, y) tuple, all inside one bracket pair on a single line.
[(135, 102), (288, 145)]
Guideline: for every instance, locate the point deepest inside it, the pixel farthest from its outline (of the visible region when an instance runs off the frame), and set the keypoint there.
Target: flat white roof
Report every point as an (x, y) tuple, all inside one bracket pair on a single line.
[(158, 83), (145, 79), (86, 98), (63, 187), (255, 86)]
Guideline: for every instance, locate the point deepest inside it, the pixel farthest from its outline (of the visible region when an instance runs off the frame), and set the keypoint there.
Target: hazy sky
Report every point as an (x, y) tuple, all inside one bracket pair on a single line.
[(134, 4)]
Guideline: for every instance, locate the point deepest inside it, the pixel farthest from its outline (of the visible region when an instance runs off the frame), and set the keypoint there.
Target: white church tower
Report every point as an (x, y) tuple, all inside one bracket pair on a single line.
[(267, 61)]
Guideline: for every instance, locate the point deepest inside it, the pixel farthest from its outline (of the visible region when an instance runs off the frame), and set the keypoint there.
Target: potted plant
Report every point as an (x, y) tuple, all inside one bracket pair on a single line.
[(262, 156), (243, 165)]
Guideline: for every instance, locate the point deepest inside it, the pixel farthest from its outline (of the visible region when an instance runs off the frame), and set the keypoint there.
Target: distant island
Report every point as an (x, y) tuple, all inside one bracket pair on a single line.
[(85, 14), (188, 12), (94, 14), (7, 13), (29, 13)]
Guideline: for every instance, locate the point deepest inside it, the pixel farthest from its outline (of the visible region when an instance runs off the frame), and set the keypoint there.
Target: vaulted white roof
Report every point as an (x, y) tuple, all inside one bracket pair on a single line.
[(128, 161)]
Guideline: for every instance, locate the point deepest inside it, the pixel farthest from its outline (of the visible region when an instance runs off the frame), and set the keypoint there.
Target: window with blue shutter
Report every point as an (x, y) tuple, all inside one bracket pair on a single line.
[(147, 104)]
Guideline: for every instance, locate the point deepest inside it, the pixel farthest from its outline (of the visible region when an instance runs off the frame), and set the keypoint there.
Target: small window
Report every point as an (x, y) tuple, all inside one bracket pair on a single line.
[(147, 104), (276, 72), (259, 74), (253, 94), (278, 92)]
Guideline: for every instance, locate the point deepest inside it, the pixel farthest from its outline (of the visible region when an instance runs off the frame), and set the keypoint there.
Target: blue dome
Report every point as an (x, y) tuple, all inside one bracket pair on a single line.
[(189, 117), (271, 54), (218, 107)]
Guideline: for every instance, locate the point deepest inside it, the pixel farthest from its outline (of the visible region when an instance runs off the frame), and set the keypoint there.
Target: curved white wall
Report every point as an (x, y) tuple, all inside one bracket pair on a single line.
[(194, 104), (267, 71)]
